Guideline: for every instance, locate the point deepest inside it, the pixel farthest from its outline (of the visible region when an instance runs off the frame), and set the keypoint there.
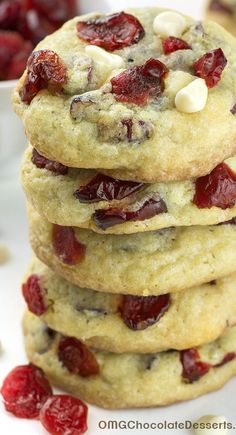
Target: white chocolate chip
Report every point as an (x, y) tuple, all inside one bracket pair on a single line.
[(216, 425), (231, 162), (175, 81), (193, 97), (169, 24), (102, 57)]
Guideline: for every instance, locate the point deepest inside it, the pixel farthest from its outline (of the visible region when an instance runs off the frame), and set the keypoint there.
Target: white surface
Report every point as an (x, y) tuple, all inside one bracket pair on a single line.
[(13, 233)]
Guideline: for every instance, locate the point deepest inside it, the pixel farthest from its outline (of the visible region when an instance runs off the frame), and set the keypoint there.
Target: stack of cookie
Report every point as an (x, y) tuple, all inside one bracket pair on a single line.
[(131, 300)]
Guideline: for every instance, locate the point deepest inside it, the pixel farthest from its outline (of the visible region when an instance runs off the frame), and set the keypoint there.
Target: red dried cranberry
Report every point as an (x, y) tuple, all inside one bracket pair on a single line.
[(51, 165), (25, 390), (44, 70), (193, 367), (63, 414), (210, 67), (112, 32), (114, 216), (77, 358), (9, 14), (140, 312), (34, 26), (227, 358), (10, 44), (172, 44), (19, 62), (216, 189), (137, 84), (103, 188), (218, 6), (67, 248), (57, 11), (33, 293)]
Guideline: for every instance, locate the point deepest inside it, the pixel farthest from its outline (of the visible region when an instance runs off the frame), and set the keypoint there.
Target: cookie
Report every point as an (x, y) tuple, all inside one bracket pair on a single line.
[(130, 110), (151, 263), (87, 199), (131, 379), (176, 321), (223, 12)]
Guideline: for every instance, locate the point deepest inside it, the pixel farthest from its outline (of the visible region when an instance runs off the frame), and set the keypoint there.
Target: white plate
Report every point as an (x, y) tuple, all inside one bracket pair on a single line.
[(14, 235)]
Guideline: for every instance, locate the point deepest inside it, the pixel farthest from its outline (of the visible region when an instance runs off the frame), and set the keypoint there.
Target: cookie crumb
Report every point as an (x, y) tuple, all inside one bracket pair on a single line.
[(4, 254)]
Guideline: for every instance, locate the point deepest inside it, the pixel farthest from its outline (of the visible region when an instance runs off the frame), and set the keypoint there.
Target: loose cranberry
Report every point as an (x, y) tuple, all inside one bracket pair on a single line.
[(25, 390), (57, 11), (34, 26), (218, 6), (33, 293), (10, 44), (193, 367), (216, 189), (140, 312), (64, 415), (44, 70), (227, 358), (137, 84), (19, 62), (9, 14), (114, 216), (112, 32), (67, 248), (51, 165), (103, 188), (210, 67), (172, 44), (77, 358)]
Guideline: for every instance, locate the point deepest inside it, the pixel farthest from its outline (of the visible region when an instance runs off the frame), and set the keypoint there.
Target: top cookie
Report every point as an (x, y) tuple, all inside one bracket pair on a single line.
[(146, 93), (224, 12)]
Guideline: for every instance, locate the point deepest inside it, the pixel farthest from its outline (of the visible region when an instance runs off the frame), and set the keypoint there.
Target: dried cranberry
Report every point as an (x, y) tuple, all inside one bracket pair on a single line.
[(34, 26), (63, 414), (216, 189), (9, 14), (172, 44), (193, 367), (10, 44), (218, 6), (227, 358), (57, 11), (44, 70), (76, 357), (103, 188), (210, 67), (114, 216), (137, 84), (112, 32), (140, 312), (19, 62), (67, 248), (25, 390), (51, 165), (33, 293)]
